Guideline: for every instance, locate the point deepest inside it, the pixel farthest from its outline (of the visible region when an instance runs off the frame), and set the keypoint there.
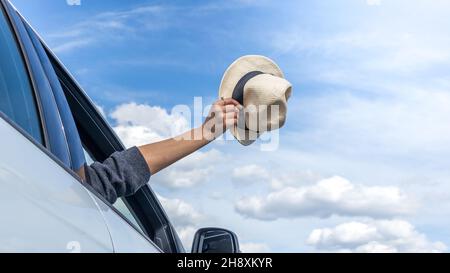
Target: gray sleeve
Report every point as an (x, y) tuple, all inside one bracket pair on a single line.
[(122, 174)]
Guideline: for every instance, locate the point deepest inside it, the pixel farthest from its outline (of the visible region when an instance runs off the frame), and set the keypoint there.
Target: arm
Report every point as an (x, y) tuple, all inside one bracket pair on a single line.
[(162, 154), (123, 173)]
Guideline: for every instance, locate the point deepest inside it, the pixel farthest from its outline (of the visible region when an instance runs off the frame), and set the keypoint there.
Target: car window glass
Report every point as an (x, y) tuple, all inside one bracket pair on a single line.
[(16, 95), (122, 207)]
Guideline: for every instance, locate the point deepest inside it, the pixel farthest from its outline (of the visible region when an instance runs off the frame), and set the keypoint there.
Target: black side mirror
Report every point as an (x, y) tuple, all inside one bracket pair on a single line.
[(215, 240)]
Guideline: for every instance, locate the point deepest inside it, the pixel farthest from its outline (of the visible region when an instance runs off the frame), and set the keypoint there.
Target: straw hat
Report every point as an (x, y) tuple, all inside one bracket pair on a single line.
[(258, 84)]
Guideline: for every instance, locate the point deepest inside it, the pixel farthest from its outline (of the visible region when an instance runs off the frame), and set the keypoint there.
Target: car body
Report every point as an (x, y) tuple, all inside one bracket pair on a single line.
[(50, 128)]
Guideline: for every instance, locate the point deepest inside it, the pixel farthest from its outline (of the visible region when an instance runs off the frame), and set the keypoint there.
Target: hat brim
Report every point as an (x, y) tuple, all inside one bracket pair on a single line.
[(235, 72)]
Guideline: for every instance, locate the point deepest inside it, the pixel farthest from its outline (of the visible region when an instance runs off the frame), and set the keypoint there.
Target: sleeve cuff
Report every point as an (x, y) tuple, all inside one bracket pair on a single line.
[(139, 164)]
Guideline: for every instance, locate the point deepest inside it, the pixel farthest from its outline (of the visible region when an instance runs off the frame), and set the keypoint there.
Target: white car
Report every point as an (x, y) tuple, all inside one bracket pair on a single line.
[(49, 128)]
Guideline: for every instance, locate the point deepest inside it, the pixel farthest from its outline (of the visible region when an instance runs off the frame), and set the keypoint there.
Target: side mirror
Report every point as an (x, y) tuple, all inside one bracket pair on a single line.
[(215, 240)]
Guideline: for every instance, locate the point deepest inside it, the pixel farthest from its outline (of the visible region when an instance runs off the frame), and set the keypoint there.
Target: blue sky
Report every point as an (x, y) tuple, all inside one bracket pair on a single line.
[(363, 159)]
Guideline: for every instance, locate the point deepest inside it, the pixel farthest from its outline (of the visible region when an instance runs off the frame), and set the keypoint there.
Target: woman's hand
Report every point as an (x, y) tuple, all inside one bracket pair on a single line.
[(222, 116)]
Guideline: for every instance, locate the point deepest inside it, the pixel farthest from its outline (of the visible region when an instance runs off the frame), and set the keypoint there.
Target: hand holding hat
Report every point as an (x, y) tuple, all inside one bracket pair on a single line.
[(258, 84), (222, 116)]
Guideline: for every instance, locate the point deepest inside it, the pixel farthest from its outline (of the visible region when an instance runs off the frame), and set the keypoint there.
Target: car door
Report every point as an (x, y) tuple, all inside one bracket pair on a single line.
[(44, 207)]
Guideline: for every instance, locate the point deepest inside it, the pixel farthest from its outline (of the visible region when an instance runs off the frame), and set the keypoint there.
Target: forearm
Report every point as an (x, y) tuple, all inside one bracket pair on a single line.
[(162, 154)]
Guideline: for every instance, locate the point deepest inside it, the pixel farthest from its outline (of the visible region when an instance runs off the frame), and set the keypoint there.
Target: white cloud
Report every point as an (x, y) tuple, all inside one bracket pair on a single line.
[(108, 26), (254, 248), (101, 110), (136, 135), (298, 177), (216, 195), (193, 170), (180, 212), (138, 124), (71, 45), (249, 174), (373, 2), (187, 236), (332, 196), (184, 217), (371, 53), (373, 236), (130, 23)]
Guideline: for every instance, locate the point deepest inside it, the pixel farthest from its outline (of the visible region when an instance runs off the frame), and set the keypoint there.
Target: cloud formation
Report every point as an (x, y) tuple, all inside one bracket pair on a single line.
[(109, 26), (181, 213), (184, 217), (193, 170), (120, 25), (328, 197), (249, 174), (373, 236), (138, 124)]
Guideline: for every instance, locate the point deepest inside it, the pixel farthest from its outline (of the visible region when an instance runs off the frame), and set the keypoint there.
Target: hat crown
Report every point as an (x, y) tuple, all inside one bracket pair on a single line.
[(257, 82), (265, 102)]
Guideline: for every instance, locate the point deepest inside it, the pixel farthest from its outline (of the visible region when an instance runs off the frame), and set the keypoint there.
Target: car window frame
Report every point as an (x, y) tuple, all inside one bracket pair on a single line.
[(23, 76), (69, 130), (50, 120)]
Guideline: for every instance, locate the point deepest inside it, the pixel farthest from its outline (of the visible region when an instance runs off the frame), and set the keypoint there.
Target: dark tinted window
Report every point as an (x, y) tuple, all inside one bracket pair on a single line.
[(16, 96)]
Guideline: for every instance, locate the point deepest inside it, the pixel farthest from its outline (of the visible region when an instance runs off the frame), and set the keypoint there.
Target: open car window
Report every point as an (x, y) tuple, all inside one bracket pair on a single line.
[(120, 204)]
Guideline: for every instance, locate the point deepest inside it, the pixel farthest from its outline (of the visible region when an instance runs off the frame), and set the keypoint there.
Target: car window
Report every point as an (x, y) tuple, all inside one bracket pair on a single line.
[(17, 100), (120, 204)]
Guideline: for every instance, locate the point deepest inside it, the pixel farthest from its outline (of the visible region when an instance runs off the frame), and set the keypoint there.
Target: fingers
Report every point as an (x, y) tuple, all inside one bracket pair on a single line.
[(230, 109), (230, 115), (228, 101), (230, 123), (223, 115), (224, 109), (230, 119)]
